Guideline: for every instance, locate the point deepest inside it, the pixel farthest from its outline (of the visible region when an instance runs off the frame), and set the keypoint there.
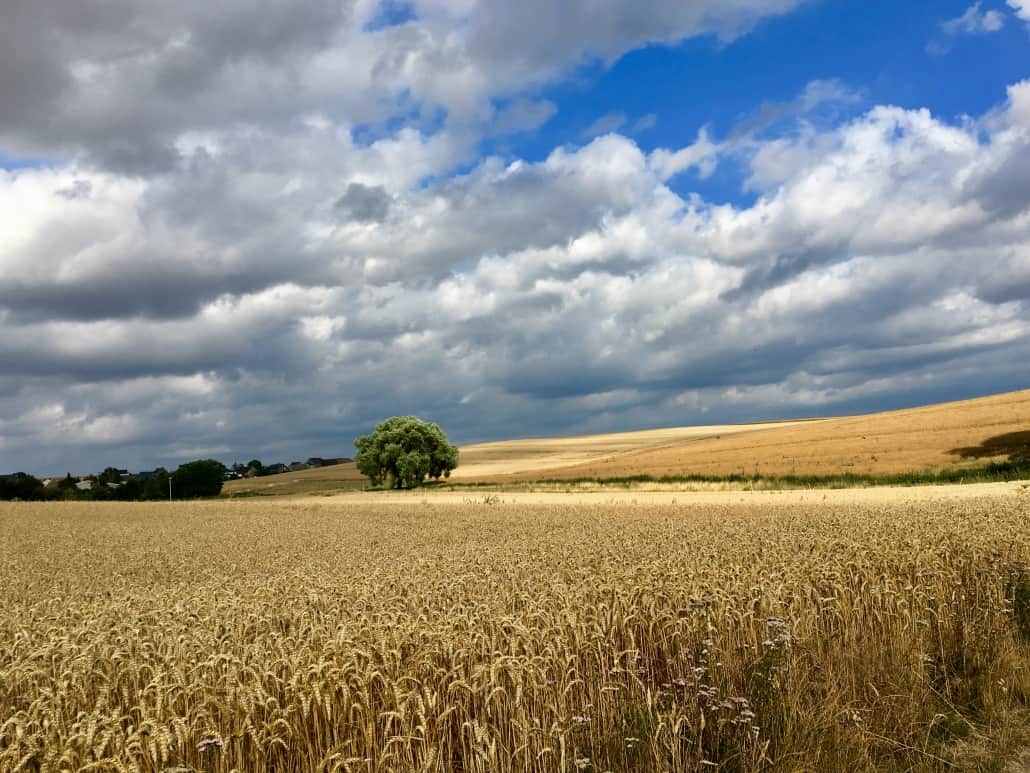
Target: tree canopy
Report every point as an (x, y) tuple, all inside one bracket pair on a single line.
[(203, 478), (403, 451), (20, 486)]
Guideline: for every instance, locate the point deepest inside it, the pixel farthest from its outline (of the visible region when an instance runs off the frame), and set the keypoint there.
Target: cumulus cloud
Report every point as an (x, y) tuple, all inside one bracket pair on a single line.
[(365, 203), (579, 289), (202, 266), (1021, 8), (975, 21), (121, 82), (704, 154)]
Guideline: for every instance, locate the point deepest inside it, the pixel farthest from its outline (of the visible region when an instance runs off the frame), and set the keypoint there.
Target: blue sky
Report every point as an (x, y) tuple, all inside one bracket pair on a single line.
[(239, 233), (877, 49)]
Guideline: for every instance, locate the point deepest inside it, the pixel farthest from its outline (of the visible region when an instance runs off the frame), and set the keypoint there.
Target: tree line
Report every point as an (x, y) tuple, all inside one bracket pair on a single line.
[(402, 452), (201, 478)]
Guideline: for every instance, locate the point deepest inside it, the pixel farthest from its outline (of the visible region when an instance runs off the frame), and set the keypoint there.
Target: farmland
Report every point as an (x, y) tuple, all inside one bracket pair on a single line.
[(423, 632), (958, 435), (946, 437)]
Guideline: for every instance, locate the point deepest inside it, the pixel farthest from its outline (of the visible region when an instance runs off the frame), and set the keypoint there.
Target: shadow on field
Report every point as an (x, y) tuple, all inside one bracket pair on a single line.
[(1015, 444)]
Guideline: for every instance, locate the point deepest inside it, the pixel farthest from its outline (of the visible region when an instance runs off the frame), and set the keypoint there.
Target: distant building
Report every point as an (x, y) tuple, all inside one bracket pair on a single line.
[(84, 485), (297, 466), (276, 469), (318, 461)]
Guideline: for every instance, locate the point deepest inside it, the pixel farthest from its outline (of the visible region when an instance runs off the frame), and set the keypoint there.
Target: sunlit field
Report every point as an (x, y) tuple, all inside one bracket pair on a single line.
[(498, 636), (957, 438)]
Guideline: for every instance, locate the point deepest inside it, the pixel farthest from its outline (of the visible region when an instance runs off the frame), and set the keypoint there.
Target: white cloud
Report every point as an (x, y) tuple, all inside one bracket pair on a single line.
[(1021, 8), (289, 275), (124, 84), (606, 124), (702, 154), (645, 122), (975, 21)]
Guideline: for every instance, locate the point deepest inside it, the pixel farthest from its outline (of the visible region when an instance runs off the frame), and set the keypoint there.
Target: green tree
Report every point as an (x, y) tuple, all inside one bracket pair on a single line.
[(130, 491), (156, 487), (403, 451), (110, 475), (202, 478), (256, 466), (22, 486)]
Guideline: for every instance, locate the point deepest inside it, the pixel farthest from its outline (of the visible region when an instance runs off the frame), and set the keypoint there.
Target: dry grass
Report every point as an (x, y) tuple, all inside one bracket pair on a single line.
[(310, 635), (905, 441), (538, 455), (327, 480), (482, 460), (876, 444)]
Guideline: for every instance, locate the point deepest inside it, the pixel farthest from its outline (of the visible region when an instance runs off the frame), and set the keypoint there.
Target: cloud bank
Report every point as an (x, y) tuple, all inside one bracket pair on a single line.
[(259, 234)]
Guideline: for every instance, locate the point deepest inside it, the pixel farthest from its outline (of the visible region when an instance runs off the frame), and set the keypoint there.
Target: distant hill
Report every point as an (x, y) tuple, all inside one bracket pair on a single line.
[(333, 477), (959, 434)]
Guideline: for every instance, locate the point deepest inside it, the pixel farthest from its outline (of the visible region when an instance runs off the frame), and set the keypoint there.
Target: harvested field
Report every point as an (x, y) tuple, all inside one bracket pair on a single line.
[(353, 634), (483, 460), (959, 434), (539, 455), (946, 436), (331, 479)]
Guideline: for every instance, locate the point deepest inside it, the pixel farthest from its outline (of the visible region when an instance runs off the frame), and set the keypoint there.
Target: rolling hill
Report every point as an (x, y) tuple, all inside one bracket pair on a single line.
[(959, 434)]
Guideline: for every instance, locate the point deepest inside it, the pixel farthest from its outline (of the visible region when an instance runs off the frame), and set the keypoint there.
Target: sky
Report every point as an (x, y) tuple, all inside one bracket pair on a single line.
[(255, 229)]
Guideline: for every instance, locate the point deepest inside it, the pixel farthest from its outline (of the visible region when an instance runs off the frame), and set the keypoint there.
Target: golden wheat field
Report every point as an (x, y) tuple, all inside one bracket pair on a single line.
[(490, 636), (954, 435), (945, 435)]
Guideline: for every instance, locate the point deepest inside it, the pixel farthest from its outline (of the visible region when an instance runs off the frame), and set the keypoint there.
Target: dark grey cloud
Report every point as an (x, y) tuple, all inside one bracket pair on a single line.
[(534, 35), (121, 81), (1003, 187), (777, 270), (364, 203), (79, 189)]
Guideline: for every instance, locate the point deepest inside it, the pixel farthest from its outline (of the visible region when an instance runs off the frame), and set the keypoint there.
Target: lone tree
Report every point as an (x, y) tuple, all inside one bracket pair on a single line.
[(403, 450)]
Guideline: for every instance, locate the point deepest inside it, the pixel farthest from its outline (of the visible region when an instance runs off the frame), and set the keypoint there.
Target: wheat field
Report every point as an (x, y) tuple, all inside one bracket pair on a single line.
[(492, 636), (956, 435), (940, 436)]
